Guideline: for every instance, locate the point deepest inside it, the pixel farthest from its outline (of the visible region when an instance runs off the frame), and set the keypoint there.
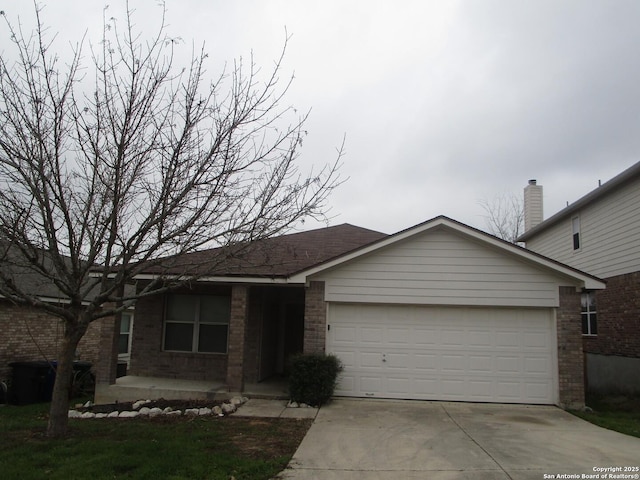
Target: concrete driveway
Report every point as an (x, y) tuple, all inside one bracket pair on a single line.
[(377, 439)]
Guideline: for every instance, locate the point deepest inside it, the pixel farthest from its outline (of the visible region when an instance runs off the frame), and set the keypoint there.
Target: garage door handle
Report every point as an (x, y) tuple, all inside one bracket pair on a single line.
[(384, 357)]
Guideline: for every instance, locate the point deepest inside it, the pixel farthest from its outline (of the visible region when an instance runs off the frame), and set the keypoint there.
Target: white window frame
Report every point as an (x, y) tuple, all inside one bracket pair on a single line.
[(126, 357), (576, 233), (197, 322), (591, 312)]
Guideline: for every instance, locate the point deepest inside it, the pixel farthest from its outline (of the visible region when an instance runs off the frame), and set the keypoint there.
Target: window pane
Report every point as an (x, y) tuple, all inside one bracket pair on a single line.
[(182, 308), (178, 336), (213, 338), (584, 301), (585, 324), (125, 322), (123, 343), (594, 324), (215, 309)]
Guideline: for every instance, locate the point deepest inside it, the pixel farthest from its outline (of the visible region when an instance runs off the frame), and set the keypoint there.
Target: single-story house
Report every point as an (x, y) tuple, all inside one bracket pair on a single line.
[(439, 311)]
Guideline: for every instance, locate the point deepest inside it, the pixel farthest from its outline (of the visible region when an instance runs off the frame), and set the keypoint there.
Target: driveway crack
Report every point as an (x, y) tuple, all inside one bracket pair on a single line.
[(474, 441)]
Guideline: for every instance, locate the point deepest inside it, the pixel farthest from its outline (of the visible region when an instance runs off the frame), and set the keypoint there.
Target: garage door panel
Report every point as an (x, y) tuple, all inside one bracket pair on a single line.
[(508, 364), (536, 365), (535, 340), (508, 339), (369, 359), (444, 354), (480, 338), (370, 384), (424, 362), (344, 334), (398, 336), (452, 364), (481, 364), (398, 385), (399, 361), (370, 335), (425, 337)]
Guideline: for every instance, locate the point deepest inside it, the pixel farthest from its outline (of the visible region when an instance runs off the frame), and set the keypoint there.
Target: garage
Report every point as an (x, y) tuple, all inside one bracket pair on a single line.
[(479, 354), (442, 311)]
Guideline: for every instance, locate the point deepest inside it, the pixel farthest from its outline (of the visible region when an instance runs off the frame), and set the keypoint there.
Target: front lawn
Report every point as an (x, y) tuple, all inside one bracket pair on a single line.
[(162, 447), (619, 413)]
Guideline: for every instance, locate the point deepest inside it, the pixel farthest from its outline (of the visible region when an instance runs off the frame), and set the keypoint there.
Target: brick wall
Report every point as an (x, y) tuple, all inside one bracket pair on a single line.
[(570, 354), (237, 330), (28, 334), (315, 318), (252, 336), (618, 317)]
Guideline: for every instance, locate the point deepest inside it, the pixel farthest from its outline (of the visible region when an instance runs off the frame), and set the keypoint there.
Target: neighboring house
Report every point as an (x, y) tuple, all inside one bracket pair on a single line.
[(440, 311), (29, 334), (600, 234)]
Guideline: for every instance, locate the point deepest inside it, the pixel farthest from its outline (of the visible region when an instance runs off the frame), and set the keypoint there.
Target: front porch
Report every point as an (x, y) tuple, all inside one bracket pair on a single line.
[(131, 388)]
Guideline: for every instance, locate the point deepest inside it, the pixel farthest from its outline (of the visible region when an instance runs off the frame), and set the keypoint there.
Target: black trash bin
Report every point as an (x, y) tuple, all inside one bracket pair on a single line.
[(31, 382)]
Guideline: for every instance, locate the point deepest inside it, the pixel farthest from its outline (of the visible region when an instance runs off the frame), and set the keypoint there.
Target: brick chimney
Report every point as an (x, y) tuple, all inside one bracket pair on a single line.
[(533, 211)]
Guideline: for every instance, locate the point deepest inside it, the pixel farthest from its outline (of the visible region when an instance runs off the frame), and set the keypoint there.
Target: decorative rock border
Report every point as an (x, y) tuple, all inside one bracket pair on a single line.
[(140, 410)]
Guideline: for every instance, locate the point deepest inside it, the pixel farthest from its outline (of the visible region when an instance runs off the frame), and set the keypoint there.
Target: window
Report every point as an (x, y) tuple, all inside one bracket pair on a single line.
[(197, 323), (575, 223), (589, 317), (124, 340)]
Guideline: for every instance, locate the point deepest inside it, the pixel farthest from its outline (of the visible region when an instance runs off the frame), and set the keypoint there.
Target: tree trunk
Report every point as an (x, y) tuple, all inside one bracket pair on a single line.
[(59, 411)]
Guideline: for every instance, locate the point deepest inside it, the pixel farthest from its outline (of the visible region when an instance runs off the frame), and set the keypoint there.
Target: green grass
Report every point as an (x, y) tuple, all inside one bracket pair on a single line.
[(167, 448), (619, 413)]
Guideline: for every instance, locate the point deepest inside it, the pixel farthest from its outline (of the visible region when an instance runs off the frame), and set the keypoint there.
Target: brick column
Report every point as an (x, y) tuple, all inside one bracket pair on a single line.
[(570, 354), (237, 328), (315, 318), (106, 367)]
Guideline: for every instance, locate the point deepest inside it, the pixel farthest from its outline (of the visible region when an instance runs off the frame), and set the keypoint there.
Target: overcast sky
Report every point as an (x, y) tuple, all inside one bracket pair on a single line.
[(443, 103)]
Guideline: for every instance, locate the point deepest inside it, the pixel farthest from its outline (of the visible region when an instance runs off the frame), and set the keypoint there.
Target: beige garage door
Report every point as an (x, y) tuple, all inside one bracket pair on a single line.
[(440, 353)]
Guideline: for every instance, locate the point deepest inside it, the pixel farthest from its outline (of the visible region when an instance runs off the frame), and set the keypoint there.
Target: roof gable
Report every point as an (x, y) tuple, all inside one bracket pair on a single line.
[(502, 247)]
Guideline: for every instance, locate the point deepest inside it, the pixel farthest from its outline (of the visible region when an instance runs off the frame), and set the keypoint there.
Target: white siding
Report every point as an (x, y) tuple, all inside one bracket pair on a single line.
[(441, 267), (609, 235)]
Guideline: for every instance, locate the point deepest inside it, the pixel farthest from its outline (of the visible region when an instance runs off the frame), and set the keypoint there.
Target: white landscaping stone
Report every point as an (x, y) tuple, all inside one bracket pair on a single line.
[(174, 412), (304, 405), (101, 415), (238, 401), (293, 404), (127, 414), (191, 411), (114, 414), (88, 415), (155, 411), (204, 411), (74, 414), (144, 411), (88, 404), (140, 403), (167, 410), (228, 408), (217, 411)]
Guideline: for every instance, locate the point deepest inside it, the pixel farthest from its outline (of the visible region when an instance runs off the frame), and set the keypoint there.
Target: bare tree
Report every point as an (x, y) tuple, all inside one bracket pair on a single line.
[(504, 216), (127, 160)]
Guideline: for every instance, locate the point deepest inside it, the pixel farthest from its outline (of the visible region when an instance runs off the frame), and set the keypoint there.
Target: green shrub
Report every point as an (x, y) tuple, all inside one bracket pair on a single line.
[(313, 378)]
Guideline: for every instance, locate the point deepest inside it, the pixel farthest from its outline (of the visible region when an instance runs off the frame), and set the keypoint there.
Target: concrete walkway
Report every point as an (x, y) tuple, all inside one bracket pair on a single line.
[(373, 439)]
